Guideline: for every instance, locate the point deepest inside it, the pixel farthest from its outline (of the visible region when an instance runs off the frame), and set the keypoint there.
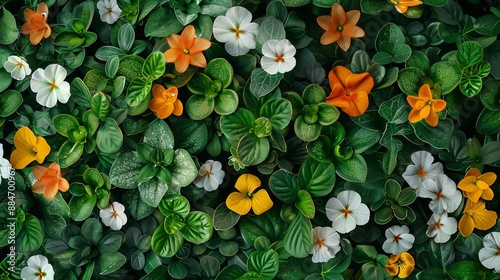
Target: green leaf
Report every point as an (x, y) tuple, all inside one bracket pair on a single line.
[(5, 79), (446, 74), (401, 53), (268, 224), (198, 107), (138, 91), (488, 25), (262, 83), (372, 6), (158, 135), (488, 122), (353, 169), (100, 105), (210, 266), (162, 23), (391, 33), (305, 131), (269, 29), (253, 150), (237, 124), (410, 79), (69, 153), (85, 12), (30, 237), (230, 272), (265, 263), (174, 204), (177, 270), (190, 135), (64, 123), (109, 137), (305, 204), (439, 136), (395, 110), (131, 67), (226, 102), (471, 86), (183, 169), (361, 139), (111, 67), (431, 273), (364, 253), (298, 237), (278, 111), (164, 244), (407, 197), (317, 177), (10, 100), (80, 93), (92, 231), (224, 218), (126, 37), (154, 66), (152, 191), (136, 207), (199, 83), (199, 227), (110, 262), (125, 169), (284, 185), (221, 70), (469, 53), (82, 206), (8, 32)]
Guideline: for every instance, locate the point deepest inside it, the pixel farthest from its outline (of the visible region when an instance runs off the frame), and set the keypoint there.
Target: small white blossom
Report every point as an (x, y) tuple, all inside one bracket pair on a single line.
[(489, 254), (278, 56), (38, 268), (236, 30), (17, 67), (443, 192), (346, 211), (113, 216), (421, 169), (5, 166), (210, 175), (50, 86), (326, 244), (441, 227), (109, 10), (399, 239)]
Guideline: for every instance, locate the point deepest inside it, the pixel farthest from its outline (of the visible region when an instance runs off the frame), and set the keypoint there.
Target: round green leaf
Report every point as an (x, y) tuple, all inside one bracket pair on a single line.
[(284, 185), (69, 153), (224, 218), (237, 124), (469, 53), (138, 91), (182, 168), (177, 270), (174, 204), (305, 131), (64, 123), (279, 111), (327, 113), (199, 227), (125, 170), (317, 177), (30, 236), (109, 137), (253, 150), (154, 66), (199, 83), (321, 149), (305, 204), (471, 85), (82, 206), (8, 32), (410, 79), (10, 100), (264, 263), (446, 74), (226, 102), (220, 69), (353, 169), (152, 191), (488, 122), (158, 135), (198, 107), (164, 244)]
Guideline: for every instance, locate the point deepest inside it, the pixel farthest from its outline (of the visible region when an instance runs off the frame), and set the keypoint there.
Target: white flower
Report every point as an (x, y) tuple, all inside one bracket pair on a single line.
[(326, 243), (17, 67), (210, 175), (443, 192), (50, 86), (422, 169), (38, 268), (5, 165), (489, 255), (236, 30), (278, 56), (109, 11), (399, 239), (113, 216), (441, 227), (346, 211)]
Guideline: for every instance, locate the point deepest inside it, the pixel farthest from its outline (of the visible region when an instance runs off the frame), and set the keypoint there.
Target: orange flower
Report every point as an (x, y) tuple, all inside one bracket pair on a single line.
[(476, 185), (49, 181), (402, 5), (349, 91), (424, 107), (340, 27), (401, 265), (165, 102), (36, 24), (186, 49), (476, 216), (28, 148)]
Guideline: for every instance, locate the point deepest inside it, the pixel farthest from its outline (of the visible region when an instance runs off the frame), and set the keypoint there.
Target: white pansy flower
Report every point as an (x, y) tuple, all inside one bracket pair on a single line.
[(17, 67), (441, 227), (489, 255), (236, 30), (399, 239), (38, 268), (210, 175), (50, 86), (443, 192), (113, 216), (346, 211), (326, 244), (421, 169), (109, 10), (278, 56), (5, 166)]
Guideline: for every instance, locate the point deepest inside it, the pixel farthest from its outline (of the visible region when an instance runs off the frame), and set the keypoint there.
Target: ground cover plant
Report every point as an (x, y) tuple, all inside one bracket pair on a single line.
[(249, 139)]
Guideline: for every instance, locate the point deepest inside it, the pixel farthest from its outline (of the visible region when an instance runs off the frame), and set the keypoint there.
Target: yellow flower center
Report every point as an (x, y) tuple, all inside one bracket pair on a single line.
[(53, 85), (321, 242), (40, 274), (237, 31), (20, 65), (346, 212), (115, 214), (498, 252), (279, 58), (186, 51), (421, 173), (438, 224), (439, 194), (110, 10), (347, 93)]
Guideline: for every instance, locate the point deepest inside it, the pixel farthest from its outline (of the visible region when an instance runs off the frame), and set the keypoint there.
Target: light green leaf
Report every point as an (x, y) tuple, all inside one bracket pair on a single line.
[(264, 263), (158, 135), (278, 111), (164, 244), (199, 227), (8, 32), (253, 150), (262, 83), (317, 177), (298, 237), (154, 66), (305, 204), (109, 137), (138, 91)]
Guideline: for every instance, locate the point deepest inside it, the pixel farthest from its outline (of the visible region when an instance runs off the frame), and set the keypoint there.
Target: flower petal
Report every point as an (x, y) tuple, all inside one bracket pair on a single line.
[(261, 202), (239, 203)]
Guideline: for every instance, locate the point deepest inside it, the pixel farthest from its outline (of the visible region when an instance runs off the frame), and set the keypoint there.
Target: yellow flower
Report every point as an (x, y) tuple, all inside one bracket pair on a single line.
[(402, 5), (401, 265), (28, 148), (241, 202), (476, 216), (476, 185)]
